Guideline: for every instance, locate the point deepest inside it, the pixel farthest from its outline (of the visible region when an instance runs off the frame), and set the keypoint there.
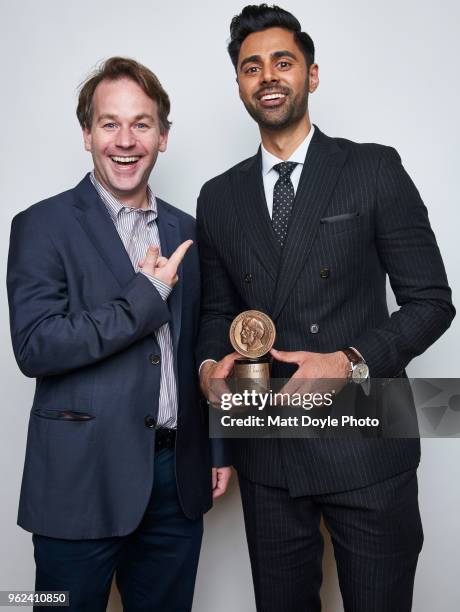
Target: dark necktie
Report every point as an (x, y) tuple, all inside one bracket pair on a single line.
[(283, 199)]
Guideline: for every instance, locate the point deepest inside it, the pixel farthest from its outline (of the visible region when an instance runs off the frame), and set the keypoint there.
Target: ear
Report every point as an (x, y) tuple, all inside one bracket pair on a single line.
[(239, 88), (163, 142), (87, 139), (313, 78)]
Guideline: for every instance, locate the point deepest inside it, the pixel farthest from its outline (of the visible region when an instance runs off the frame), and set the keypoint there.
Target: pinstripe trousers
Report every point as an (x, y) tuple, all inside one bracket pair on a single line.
[(376, 532)]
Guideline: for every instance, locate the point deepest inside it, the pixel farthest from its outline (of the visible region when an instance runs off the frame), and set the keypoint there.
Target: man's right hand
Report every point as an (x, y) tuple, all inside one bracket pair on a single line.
[(162, 268), (216, 371)]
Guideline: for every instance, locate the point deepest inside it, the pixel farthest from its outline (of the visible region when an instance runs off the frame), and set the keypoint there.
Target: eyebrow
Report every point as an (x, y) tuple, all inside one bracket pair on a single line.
[(136, 118), (275, 55)]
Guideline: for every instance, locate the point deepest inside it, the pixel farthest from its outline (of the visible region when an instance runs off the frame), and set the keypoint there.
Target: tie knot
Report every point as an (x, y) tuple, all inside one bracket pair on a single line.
[(285, 169)]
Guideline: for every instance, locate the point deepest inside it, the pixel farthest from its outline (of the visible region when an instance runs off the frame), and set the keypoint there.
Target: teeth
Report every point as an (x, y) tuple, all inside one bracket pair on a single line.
[(274, 96), (125, 160)]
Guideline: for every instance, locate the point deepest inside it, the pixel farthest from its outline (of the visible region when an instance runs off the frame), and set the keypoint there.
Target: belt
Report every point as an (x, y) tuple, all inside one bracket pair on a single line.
[(164, 438)]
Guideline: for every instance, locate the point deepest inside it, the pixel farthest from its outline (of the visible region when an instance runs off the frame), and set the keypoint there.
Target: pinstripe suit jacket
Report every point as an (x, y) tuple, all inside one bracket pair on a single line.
[(357, 213)]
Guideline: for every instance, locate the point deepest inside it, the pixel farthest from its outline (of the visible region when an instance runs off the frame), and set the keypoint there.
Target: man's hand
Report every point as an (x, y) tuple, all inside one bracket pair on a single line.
[(313, 367), (216, 371), (162, 268), (220, 479)]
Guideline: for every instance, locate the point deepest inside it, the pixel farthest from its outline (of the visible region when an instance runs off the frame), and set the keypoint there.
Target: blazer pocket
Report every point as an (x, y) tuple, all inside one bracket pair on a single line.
[(338, 218), (62, 415), (346, 223)]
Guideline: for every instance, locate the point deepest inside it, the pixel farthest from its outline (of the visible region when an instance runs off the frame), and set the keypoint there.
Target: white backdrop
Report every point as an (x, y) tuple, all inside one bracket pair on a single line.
[(387, 73)]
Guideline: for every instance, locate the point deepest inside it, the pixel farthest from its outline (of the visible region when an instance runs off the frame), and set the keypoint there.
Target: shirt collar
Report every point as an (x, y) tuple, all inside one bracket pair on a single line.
[(298, 156), (116, 208)]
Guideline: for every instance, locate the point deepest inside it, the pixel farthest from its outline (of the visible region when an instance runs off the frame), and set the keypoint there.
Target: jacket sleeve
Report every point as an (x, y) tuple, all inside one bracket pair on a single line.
[(219, 306), (221, 454), (220, 303), (47, 337), (410, 255)]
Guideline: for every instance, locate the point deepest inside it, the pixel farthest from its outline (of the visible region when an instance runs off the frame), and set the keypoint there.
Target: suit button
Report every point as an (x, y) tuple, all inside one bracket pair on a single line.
[(314, 328), (155, 359), (150, 421), (248, 277), (324, 272)]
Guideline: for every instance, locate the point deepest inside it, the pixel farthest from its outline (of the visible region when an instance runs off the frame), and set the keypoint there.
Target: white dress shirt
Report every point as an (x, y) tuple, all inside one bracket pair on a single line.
[(270, 175)]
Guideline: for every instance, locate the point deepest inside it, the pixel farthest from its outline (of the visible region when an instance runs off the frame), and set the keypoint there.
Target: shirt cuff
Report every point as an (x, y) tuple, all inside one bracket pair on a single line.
[(203, 362), (163, 289)]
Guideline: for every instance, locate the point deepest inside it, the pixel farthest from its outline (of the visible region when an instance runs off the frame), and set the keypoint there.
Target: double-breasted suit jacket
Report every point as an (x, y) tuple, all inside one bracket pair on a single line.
[(357, 218)]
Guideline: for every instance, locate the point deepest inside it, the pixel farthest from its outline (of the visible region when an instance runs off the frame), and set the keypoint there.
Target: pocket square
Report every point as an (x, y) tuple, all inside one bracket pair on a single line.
[(342, 217)]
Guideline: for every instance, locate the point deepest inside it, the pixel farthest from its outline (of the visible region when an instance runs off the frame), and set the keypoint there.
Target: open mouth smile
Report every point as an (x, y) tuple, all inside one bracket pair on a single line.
[(125, 161), (272, 99), (273, 96)]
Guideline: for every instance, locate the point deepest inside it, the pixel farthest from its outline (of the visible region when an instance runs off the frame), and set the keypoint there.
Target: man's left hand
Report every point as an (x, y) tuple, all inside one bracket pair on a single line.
[(220, 479)]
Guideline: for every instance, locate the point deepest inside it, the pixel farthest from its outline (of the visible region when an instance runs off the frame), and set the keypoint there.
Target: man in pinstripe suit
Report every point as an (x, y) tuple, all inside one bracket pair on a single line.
[(307, 231), (104, 292)]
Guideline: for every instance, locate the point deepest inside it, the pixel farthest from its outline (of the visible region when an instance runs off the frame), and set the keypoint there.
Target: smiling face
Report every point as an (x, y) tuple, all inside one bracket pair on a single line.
[(273, 78), (124, 138)]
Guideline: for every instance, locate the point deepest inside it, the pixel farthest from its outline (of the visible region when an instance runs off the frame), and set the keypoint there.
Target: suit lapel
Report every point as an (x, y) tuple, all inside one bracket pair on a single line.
[(251, 209), (321, 170), (170, 238), (95, 219)]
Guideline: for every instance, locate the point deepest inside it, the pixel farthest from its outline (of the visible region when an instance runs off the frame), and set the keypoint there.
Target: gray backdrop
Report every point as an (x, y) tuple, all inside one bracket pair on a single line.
[(387, 74)]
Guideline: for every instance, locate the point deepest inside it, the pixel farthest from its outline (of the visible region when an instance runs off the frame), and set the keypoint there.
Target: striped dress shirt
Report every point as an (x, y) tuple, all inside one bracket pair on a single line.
[(138, 230)]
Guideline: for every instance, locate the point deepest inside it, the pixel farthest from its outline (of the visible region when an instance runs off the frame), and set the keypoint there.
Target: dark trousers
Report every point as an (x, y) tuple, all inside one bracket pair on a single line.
[(376, 533), (155, 565)]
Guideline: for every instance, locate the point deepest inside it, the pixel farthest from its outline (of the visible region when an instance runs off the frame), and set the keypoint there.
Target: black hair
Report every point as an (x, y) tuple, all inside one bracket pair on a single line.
[(255, 18)]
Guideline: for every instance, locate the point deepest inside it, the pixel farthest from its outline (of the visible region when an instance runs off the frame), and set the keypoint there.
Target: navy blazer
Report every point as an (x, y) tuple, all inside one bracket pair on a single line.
[(82, 324), (357, 218)]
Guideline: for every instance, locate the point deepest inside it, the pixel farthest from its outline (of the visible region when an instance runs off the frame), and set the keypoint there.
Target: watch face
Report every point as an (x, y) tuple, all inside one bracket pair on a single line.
[(360, 372)]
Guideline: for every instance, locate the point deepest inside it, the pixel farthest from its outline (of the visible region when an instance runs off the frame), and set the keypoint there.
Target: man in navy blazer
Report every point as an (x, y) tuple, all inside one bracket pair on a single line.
[(104, 314)]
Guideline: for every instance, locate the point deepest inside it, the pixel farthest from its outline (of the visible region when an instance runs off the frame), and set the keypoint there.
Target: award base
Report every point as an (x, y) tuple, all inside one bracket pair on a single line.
[(252, 374)]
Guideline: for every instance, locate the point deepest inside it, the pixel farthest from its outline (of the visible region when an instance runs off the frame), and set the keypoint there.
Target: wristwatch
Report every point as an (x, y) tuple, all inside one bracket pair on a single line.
[(359, 370)]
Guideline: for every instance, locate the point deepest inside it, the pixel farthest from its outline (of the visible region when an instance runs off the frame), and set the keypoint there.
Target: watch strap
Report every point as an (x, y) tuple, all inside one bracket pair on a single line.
[(352, 356)]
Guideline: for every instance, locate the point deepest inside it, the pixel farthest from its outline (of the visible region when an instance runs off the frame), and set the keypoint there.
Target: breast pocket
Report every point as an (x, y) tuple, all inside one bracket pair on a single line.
[(341, 244), (346, 222)]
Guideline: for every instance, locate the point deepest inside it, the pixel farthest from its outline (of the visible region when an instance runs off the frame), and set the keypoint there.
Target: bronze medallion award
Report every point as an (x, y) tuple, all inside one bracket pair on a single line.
[(252, 334)]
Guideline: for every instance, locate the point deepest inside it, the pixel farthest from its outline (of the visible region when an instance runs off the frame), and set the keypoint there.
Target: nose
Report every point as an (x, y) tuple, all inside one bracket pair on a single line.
[(125, 138), (268, 74)]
